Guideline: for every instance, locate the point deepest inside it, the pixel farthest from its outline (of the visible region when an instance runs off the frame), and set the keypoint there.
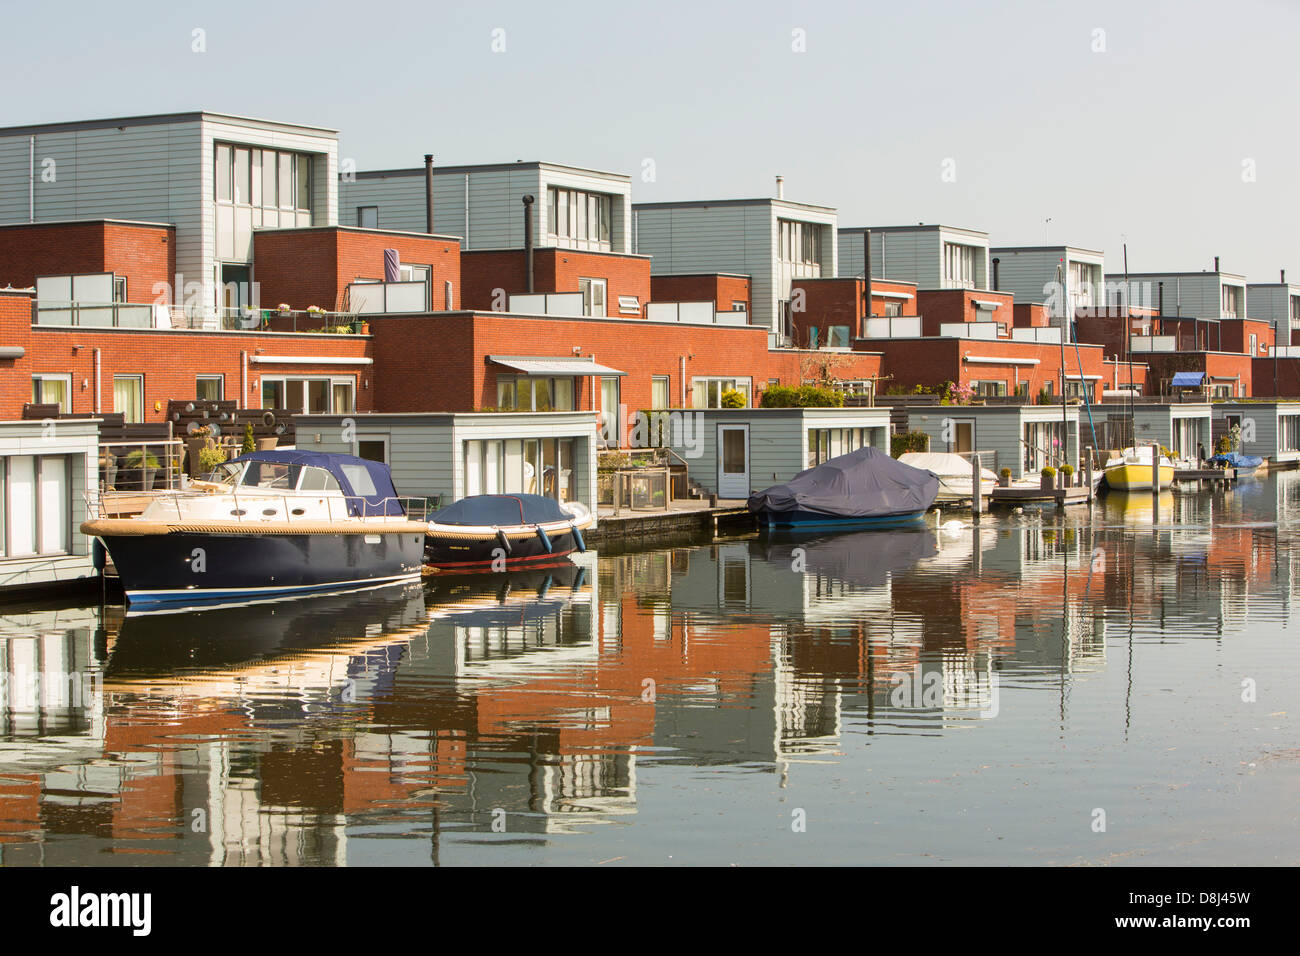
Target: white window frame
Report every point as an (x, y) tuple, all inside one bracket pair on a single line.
[(63, 377), (220, 379), (139, 381), (333, 380), (588, 287)]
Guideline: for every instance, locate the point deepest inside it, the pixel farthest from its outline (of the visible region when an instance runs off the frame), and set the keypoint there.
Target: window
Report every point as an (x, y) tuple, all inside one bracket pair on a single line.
[(372, 448), (958, 266), (799, 241), (310, 396), (827, 443), (707, 392), (317, 479), (53, 390), (629, 305), (1044, 444), (224, 174), (128, 397), (521, 466), (358, 477), (593, 296), (1295, 310), (35, 504), (1288, 431), (417, 273), (368, 217), (578, 215), (119, 288), (660, 395), (262, 177), (1232, 296), (209, 388), (989, 389), (739, 305), (525, 393), (1254, 343), (609, 401)]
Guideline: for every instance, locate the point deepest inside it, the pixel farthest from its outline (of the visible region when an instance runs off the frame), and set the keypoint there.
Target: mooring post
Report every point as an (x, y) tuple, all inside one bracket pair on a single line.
[(1155, 482), (976, 499), (1087, 469)]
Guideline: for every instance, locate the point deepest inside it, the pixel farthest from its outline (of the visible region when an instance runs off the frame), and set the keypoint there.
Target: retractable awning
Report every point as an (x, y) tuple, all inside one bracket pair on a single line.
[(1187, 379), (552, 365)]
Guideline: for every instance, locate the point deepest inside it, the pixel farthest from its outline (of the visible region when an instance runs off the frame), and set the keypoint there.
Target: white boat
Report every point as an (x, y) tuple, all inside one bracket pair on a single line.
[(954, 471), (1131, 470)]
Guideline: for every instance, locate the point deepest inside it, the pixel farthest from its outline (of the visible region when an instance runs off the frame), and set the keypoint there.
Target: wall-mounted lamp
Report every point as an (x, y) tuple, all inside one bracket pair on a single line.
[(365, 383), (577, 350), (85, 384)]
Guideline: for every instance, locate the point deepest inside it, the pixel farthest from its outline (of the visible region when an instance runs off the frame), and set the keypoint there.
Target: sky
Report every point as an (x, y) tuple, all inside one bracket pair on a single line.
[(1167, 125)]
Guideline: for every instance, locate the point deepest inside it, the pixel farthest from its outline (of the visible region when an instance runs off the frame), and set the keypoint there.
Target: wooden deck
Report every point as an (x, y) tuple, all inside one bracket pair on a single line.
[(1016, 495)]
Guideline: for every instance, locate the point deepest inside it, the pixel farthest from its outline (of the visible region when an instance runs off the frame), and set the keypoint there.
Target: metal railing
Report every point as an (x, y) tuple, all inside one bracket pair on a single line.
[(128, 461), (134, 315), (254, 507)]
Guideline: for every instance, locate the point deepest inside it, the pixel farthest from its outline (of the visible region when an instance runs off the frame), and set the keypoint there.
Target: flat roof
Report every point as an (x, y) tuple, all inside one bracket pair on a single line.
[(697, 275), (478, 167), (919, 227), (1148, 275), (153, 119), (704, 203), (83, 222), (1067, 249), (381, 232)]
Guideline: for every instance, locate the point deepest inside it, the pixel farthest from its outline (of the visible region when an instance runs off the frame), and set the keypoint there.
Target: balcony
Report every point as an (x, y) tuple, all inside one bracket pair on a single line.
[(132, 316)]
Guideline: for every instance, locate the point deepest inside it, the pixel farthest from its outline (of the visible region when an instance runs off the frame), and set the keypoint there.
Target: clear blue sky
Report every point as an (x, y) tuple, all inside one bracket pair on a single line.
[(1144, 140)]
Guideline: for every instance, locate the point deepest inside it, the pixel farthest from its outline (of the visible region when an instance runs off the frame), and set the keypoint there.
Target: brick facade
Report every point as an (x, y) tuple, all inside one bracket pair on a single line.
[(940, 306), (145, 253), (721, 288), (554, 270), (821, 303)]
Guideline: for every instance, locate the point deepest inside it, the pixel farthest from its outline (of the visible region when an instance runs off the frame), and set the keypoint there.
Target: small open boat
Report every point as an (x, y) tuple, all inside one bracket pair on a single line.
[(496, 532), (954, 473), (863, 489), (1131, 470)]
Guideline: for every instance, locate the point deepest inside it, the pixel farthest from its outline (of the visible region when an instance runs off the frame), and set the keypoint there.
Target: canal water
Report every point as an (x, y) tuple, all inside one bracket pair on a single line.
[(1115, 685)]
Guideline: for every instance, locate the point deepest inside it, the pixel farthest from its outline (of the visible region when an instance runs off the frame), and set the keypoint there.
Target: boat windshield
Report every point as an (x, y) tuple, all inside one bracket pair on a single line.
[(271, 474), (227, 473)]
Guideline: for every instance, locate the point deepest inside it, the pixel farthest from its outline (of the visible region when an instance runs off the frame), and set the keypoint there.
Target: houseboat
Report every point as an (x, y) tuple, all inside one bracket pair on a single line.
[(266, 525)]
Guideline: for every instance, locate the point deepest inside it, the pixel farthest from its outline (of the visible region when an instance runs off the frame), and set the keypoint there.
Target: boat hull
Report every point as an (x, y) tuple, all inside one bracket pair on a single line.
[(190, 568), (472, 554), (1137, 477), (811, 520)]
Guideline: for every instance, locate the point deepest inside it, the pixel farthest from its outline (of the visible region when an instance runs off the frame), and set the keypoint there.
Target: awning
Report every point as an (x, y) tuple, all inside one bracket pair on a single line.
[(1187, 379), (544, 365), (986, 304)]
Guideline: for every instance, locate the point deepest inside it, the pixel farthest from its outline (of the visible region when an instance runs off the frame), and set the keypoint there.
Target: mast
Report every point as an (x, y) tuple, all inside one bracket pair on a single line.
[(1128, 349)]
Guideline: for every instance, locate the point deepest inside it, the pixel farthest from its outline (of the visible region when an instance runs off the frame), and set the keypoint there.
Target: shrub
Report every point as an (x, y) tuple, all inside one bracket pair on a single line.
[(141, 458), (904, 442), (1223, 445), (1067, 470), (249, 444), (1048, 471), (732, 398), (805, 396), (210, 457), (1005, 473)]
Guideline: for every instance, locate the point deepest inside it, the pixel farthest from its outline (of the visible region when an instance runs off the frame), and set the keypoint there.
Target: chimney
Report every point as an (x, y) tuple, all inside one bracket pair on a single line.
[(1216, 263), (528, 241), (866, 270), (1284, 277), (780, 187), (1160, 298), (996, 260), (428, 193)]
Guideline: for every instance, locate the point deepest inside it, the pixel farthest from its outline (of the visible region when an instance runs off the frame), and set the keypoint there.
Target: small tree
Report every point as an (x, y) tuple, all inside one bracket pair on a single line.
[(249, 444)]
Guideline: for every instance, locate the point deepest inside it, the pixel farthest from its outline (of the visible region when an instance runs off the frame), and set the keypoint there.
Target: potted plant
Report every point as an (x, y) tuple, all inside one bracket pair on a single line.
[(1067, 475), (249, 444), (1004, 478), (210, 457), (146, 463), (1048, 478), (284, 309), (198, 438)]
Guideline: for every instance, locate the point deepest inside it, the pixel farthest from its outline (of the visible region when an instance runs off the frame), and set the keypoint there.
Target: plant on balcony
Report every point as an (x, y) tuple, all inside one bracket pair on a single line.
[(732, 398), (805, 396), (284, 308)]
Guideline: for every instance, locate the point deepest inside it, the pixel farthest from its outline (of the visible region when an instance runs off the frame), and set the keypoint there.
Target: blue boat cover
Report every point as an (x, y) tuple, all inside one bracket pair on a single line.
[(1235, 459), (1187, 379), (368, 484), (862, 484), (495, 510)]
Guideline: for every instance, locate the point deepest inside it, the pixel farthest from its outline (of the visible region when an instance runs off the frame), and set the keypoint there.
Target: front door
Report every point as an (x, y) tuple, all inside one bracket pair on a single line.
[(963, 436), (733, 461)]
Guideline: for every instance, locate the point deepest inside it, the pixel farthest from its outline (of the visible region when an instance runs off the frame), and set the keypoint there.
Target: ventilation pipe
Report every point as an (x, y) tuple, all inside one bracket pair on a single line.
[(428, 193), (780, 187), (866, 272), (1216, 263), (1284, 277), (996, 261), (1160, 298), (528, 241)]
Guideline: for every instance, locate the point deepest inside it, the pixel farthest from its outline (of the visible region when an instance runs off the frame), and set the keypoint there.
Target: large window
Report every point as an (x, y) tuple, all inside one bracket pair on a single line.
[(574, 214), (707, 392), (262, 178), (989, 389), (1232, 301), (53, 390), (525, 393), (958, 266), (309, 395), (1288, 433), (511, 466), (35, 504), (128, 397), (800, 241), (827, 443), (1044, 444)]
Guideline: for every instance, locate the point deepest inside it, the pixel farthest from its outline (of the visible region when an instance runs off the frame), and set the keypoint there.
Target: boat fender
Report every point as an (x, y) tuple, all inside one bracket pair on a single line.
[(503, 541), (577, 538), (98, 555), (546, 542)]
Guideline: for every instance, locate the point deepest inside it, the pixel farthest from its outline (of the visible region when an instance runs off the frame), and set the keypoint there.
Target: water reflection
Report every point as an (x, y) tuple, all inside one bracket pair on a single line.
[(495, 718)]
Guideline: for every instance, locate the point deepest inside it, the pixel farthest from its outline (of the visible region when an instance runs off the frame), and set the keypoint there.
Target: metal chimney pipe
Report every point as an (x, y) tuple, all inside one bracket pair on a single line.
[(528, 241), (1160, 298), (1216, 263), (1284, 277), (428, 193), (866, 271), (780, 187), (996, 260)]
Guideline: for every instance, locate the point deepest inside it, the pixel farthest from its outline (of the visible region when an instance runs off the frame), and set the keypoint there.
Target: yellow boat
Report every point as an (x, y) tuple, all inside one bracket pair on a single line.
[(1131, 471)]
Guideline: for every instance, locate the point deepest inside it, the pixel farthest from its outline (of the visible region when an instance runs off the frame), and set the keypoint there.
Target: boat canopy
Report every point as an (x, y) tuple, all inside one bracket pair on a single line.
[(944, 464), (862, 484), (368, 485), (501, 510)]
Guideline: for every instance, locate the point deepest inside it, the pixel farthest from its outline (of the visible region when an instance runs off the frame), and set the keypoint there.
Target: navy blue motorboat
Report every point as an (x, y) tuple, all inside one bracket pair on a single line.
[(267, 525), (863, 489), (497, 532)]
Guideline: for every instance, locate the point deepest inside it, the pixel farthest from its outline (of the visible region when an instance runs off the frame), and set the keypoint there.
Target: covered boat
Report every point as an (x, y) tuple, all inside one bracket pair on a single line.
[(954, 473), (1131, 470), (495, 532), (1233, 459), (865, 488), (266, 525)]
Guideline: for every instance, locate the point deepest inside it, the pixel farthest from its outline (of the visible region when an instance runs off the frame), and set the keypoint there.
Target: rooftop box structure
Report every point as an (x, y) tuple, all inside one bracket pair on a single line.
[(932, 256)]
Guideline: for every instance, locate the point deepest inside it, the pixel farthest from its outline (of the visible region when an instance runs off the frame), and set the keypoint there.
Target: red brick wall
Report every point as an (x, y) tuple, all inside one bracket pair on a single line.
[(839, 302), (705, 287), (1237, 333), (931, 362), (939, 306), (554, 270), (145, 254), (1029, 315), (1286, 372), (1215, 365), (305, 267), (416, 372), (168, 360)]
